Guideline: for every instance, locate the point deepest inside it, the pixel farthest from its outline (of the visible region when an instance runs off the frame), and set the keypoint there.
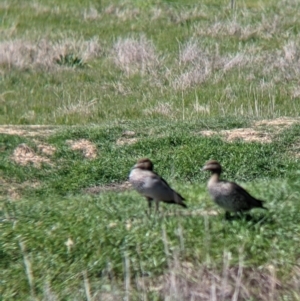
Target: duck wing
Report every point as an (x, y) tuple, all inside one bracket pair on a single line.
[(164, 192), (248, 200)]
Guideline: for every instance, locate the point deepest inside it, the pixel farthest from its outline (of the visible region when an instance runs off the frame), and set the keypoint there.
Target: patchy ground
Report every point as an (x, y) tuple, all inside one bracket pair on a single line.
[(42, 153), (261, 131)]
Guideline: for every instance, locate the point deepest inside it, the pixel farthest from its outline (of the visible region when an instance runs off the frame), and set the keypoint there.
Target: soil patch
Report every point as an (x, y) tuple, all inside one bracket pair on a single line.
[(24, 155), (28, 130), (246, 134), (88, 149), (46, 149), (257, 133), (282, 121)]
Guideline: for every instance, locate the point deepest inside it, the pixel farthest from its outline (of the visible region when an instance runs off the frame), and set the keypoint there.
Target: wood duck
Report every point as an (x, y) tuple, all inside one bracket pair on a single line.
[(149, 184), (229, 195)]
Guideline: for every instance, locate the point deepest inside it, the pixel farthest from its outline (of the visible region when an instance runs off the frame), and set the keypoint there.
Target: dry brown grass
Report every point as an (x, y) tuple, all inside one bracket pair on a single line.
[(185, 15), (278, 122), (77, 107), (46, 149), (262, 131), (25, 155), (243, 30), (135, 55), (295, 93), (28, 130), (246, 134), (203, 109), (88, 149), (45, 53), (196, 64), (124, 11), (162, 108), (91, 14), (185, 281), (128, 133)]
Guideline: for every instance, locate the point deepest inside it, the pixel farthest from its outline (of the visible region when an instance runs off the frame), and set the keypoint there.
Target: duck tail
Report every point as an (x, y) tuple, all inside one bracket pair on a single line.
[(182, 204), (260, 204), (178, 199)]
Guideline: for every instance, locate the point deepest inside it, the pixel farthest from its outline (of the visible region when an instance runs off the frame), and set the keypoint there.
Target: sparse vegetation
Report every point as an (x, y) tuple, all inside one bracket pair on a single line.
[(87, 88)]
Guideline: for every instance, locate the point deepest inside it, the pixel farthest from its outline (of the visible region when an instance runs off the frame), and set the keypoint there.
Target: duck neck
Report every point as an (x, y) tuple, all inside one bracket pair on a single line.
[(215, 177)]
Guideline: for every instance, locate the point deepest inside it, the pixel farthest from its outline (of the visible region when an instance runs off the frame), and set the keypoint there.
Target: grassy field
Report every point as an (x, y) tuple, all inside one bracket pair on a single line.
[(87, 88), (147, 60)]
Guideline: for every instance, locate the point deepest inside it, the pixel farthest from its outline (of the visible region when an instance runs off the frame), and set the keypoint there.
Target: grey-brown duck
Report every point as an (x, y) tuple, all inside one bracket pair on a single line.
[(152, 186), (229, 195)]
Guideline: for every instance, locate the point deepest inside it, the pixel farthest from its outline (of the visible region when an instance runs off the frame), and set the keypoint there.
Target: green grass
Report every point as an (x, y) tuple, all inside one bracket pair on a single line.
[(167, 70), (105, 229)]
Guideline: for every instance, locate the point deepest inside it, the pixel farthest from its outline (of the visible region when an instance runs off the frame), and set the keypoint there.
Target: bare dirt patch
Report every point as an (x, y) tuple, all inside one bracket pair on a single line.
[(28, 130), (25, 155), (116, 187), (246, 134), (260, 132), (88, 149), (280, 122), (46, 149)]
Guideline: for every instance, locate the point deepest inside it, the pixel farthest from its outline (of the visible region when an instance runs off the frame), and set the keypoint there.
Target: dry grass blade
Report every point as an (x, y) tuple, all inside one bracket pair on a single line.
[(87, 287), (28, 269), (239, 276), (127, 277)]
